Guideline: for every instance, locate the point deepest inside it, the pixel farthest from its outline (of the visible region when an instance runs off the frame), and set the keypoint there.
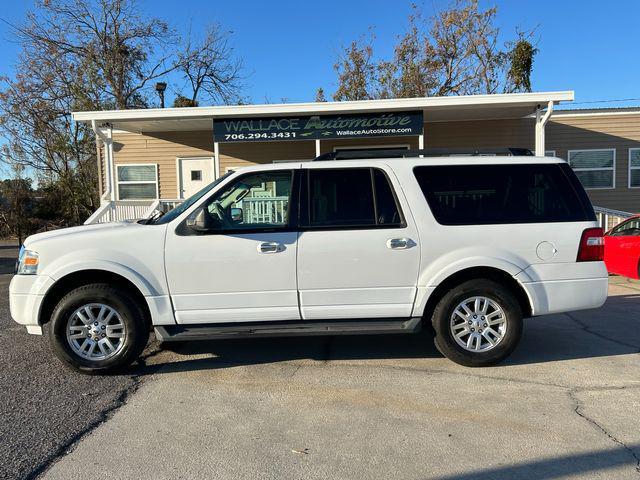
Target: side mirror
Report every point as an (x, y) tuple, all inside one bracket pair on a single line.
[(237, 215), (202, 221)]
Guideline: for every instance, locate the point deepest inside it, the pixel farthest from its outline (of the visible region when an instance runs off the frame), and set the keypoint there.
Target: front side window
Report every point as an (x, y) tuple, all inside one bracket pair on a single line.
[(254, 201), (503, 194), (594, 168), (350, 198), (137, 182)]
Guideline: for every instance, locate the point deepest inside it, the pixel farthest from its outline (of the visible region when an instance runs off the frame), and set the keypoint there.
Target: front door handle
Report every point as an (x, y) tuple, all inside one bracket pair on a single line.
[(400, 243), (270, 247)]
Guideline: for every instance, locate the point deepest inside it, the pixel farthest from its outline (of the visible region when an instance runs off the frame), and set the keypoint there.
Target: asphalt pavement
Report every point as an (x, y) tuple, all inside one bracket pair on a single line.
[(44, 408)]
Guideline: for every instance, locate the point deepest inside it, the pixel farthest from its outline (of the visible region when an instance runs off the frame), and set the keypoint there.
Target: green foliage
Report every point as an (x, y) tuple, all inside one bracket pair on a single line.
[(521, 58)]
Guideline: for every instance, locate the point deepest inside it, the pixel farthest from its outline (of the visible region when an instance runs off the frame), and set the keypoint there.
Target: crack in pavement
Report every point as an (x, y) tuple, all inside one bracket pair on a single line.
[(579, 410), (587, 329)]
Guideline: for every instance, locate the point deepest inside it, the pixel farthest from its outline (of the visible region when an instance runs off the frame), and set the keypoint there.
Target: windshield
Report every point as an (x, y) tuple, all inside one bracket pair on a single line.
[(184, 206)]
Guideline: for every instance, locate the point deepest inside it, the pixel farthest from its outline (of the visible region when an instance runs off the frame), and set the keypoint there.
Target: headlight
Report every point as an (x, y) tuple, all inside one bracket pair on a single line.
[(28, 261)]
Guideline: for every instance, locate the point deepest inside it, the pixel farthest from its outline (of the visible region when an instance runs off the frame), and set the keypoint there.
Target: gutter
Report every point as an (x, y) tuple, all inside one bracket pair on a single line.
[(107, 141)]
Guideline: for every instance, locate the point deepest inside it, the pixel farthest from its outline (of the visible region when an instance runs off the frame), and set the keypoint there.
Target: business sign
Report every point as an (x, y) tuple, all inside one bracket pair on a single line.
[(318, 127)]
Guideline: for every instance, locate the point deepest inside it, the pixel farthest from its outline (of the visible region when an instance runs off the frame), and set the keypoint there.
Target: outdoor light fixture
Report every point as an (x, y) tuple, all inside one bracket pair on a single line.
[(160, 88)]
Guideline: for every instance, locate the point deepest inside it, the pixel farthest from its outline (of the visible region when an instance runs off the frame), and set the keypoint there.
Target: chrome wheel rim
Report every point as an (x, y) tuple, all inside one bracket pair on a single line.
[(95, 331), (478, 324)]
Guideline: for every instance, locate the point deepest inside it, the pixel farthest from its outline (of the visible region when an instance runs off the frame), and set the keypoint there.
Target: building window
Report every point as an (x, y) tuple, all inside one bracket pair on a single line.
[(137, 182), (594, 168), (634, 167), (549, 153), (196, 175)]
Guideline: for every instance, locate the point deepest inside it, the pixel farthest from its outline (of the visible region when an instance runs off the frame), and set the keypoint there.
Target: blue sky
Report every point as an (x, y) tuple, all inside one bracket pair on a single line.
[(289, 47)]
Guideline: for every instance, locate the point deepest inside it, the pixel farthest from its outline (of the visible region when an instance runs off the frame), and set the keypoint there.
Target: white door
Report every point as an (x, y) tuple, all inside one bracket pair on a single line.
[(195, 173), (244, 268), (358, 254)]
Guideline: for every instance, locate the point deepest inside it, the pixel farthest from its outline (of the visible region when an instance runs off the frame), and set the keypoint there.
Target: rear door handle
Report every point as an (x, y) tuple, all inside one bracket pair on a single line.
[(400, 243), (270, 247)]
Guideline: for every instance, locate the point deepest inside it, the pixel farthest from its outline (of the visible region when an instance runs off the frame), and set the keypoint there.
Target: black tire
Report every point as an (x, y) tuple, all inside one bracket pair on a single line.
[(443, 312), (129, 310)]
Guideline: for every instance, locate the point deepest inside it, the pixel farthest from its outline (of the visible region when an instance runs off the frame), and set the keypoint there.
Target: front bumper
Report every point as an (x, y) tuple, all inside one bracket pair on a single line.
[(26, 293)]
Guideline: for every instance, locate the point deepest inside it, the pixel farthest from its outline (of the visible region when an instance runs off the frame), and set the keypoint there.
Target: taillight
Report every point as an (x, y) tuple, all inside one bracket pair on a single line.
[(591, 247)]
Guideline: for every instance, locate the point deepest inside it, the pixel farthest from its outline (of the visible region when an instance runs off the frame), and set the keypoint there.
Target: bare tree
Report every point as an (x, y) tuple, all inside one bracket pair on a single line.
[(76, 55), (210, 68)]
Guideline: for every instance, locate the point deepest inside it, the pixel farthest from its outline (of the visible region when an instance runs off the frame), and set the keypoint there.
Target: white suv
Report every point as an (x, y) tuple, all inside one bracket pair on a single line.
[(381, 245)]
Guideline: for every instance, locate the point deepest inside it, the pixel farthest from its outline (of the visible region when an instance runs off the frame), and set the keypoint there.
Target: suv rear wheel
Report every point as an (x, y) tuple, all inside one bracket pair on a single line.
[(98, 328), (478, 323)]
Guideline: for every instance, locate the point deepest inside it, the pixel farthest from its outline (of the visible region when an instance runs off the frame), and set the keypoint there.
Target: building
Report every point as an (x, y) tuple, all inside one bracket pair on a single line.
[(164, 155)]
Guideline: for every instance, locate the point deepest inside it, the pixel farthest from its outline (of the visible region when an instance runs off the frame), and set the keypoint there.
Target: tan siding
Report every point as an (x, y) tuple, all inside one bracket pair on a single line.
[(328, 145), (480, 134), (163, 149), (252, 153), (621, 132)]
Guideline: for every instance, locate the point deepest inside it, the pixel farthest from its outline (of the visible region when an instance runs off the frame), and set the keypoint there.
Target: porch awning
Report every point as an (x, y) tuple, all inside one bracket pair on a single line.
[(435, 109)]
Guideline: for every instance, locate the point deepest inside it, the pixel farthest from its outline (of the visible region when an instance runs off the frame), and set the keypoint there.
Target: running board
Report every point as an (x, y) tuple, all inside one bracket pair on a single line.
[(173, 333)]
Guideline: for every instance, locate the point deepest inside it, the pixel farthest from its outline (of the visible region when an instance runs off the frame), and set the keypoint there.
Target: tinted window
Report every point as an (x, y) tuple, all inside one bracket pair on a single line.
[(386, 206), (350, 197), (494, 194)]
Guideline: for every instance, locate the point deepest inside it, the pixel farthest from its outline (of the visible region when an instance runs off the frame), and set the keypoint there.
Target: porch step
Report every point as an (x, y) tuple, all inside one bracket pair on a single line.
[(171, 333)]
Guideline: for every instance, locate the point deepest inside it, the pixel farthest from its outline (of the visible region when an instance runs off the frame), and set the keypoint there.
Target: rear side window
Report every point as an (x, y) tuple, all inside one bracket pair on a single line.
[(502, 194), (350, 198)]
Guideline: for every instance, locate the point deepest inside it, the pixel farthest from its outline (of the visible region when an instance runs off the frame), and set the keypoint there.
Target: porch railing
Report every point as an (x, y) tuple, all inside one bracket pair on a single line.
[(120, 210), (264, 209), (609, 218)]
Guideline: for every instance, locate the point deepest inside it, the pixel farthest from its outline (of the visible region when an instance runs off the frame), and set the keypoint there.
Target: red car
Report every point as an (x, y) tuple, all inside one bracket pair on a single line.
[(622, 248)]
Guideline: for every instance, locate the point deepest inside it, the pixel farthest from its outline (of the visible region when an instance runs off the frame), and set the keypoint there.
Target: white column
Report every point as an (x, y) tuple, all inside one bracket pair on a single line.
[(111, 163), (216, 160), (317, 147), (541, 121), (421, 141)]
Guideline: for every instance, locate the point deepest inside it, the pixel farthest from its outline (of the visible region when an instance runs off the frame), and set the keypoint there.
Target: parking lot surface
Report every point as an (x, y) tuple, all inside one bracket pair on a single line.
[(565, 405), (44, 408)]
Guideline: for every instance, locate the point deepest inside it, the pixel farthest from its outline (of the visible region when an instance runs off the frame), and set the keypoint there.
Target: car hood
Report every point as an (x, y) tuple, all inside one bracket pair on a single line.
[(75, 232)]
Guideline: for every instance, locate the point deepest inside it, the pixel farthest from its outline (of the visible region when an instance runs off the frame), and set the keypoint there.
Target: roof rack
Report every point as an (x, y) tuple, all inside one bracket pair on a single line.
[(425, 152)]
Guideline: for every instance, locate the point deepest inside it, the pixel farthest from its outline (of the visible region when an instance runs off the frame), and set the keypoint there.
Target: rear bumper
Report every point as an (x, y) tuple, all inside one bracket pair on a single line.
[(558, 296), (565, 287), (26, 293)]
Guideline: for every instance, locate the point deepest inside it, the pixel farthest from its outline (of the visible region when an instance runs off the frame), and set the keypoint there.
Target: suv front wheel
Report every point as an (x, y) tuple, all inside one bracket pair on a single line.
[(478, 323), (98, 328)]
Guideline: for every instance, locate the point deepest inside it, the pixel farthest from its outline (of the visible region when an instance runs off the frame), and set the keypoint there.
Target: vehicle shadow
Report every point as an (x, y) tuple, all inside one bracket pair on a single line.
[(214, 354), (609, 331), (578, 464)]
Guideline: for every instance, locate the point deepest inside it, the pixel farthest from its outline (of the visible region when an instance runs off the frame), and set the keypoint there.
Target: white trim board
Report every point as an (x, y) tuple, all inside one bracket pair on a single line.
[(507, 99)]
